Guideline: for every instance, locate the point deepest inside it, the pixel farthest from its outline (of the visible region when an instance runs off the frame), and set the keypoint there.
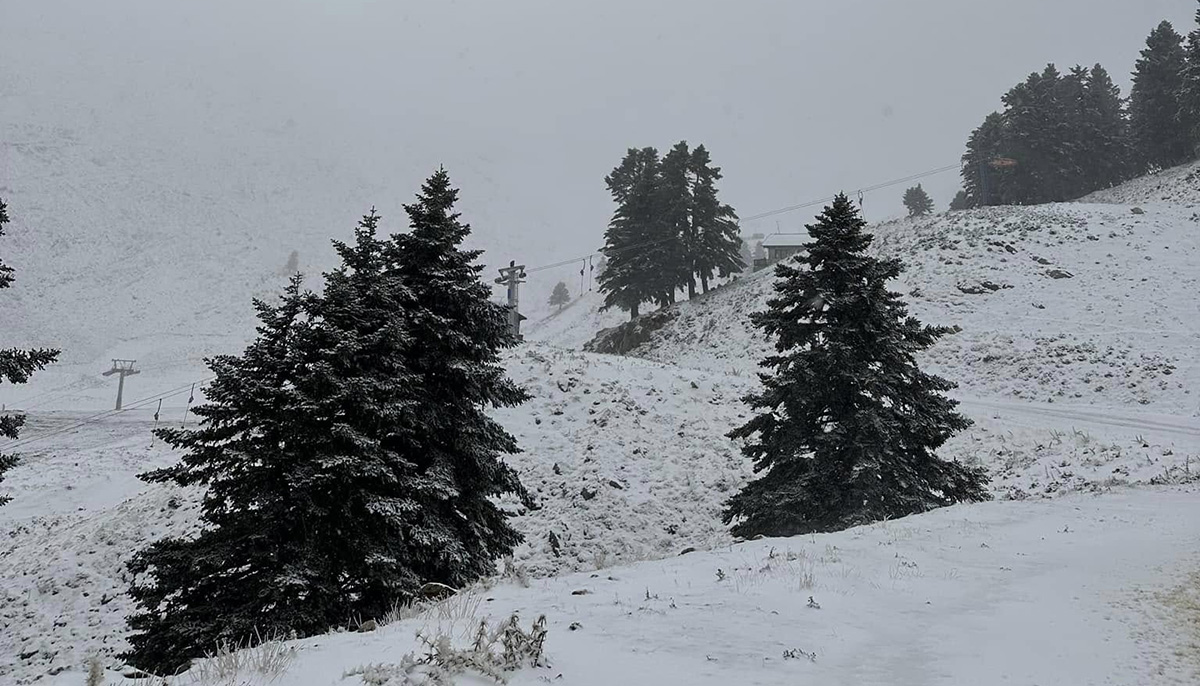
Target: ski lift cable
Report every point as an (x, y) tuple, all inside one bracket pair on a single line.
[(101, 416), (755, 217)]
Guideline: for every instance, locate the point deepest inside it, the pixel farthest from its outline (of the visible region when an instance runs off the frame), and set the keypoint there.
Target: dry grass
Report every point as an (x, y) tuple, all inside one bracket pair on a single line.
[(493, 654)]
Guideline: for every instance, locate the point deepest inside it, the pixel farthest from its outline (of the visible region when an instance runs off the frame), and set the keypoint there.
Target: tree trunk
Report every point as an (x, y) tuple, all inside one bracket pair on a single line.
[(692, 287), (633, 312), (704, 282)]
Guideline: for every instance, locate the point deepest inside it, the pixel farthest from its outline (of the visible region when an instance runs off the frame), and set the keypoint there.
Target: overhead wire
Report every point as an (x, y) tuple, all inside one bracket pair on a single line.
[(101, 416), (754, 217)]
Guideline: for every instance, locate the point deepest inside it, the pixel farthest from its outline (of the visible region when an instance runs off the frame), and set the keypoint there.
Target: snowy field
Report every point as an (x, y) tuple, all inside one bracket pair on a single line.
[(1084, 570)]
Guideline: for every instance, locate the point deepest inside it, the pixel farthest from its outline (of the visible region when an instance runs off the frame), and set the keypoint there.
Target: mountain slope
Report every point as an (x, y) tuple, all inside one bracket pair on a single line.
[(1082, 303)]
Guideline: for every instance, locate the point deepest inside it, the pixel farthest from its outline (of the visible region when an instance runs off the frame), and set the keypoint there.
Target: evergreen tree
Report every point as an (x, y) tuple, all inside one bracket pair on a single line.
[(16, 366), (348, 453), (1040, 136), (257, 562), (917, 201), (961, 201), (560, 295), (1154, 108), (1107, 159), (848, 425), (715, 224), (676, 258), (983, 183), (630, 276), (1189, 96)]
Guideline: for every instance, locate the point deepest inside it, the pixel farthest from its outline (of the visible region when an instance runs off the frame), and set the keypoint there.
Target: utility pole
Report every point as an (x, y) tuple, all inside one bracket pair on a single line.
[(512, 276), (122, 368)]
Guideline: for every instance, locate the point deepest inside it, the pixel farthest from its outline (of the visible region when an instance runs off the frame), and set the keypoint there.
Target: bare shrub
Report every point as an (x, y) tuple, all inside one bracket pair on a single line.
[(494, 653)]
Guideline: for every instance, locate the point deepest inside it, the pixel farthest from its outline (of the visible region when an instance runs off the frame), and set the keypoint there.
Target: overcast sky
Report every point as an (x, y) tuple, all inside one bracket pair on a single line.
[(529, 103)]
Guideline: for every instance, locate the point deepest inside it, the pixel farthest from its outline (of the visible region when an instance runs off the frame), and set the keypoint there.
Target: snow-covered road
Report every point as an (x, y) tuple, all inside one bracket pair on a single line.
[(1156, 427)]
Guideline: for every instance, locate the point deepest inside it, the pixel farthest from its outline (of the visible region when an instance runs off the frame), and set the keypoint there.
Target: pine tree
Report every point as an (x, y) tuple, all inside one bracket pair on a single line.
[(917, 201), (1154, 107), (630, 277), (16, 366), (961, 201), (848, 425), (560, 295), (1189, 95), (715, 223), (348, 453)]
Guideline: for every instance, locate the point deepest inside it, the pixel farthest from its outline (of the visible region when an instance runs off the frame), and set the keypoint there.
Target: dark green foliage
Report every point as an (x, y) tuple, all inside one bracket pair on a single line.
[(719, 247), (1108, 156), (560, 295), (16, 366), (630, 275), (1059, 137), (348, 453), (961, 201), (1189, 95), (1161, 139), (848, 425), (677, 257), (669, 230), (917, 201), (981, 180)]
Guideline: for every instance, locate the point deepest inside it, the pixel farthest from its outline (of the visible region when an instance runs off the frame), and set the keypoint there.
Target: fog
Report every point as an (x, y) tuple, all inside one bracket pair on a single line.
[(529, 103)]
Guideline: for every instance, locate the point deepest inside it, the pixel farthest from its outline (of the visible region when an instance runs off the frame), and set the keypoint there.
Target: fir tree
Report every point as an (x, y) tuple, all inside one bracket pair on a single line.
[(848, 425), (715, 224), (261, 562), (983, 183), (560, 295), (348, 453), (16, 366), (1154, 107), (677, 257), (961, 201), (1107, 159), (917, 201), (1189, 95), (630, 277), (456, 337)]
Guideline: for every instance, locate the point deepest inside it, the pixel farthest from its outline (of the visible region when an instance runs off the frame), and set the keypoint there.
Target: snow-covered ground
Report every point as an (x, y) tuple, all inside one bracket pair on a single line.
[(1079, 590), (1083, 390)]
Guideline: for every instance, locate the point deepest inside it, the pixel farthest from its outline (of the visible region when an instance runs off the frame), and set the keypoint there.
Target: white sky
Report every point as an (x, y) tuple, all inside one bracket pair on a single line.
[(529, 103)]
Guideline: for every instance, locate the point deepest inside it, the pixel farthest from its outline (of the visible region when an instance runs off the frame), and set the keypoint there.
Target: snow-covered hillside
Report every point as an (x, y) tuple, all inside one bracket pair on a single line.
[(1087, 304), (1079, 385)]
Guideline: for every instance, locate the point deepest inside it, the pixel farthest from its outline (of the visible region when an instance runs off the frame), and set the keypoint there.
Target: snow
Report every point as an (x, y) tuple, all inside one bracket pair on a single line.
[(1081, 388), (1076, 590)]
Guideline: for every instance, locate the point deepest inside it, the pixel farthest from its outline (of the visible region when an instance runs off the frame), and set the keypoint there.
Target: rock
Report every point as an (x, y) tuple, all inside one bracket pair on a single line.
[(554, 544), (1040, 260), (1059, 274), (587, 493), (979, 287), (581, 591), (616, 484), (556, 468), (1138, 210), (575, 626), (369, 625), (687, 550), (435, 591)]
